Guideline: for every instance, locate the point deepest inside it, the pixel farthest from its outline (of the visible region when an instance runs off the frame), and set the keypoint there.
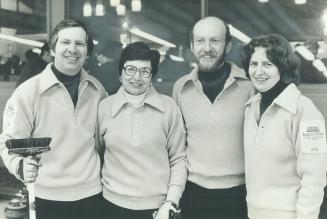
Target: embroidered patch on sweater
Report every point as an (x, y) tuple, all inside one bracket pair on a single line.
[(313, 137)]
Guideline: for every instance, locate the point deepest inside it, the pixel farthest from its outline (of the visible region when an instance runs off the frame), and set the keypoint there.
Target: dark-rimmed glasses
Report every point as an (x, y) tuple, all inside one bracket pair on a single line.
[(130, 70)]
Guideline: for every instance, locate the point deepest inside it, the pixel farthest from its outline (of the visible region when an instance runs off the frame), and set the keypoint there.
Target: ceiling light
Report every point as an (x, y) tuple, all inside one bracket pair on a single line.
[(300, 2), (263, 1), (319, 65), (121, 10), (324, 17), (21, 40), (238, 34), (87, 9), (123, 37), (125, 25), (36, 50), (305, 53), (176, 58), (114, 3), (150, 37), (99, 8), (136, 5)]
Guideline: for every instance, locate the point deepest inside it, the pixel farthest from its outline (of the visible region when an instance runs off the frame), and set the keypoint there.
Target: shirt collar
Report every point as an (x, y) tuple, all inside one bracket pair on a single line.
[(152, 99), (48, 79), (288, 99), (236, 72)]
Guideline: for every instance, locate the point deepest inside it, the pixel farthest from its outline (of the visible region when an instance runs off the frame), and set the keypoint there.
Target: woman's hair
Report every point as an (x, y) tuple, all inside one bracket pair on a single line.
[(71, 23), (279, 52), (139, 51)]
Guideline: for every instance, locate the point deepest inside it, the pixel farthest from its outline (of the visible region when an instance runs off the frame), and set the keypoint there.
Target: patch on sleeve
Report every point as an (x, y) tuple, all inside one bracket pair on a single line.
[(9, 117), (313, 137)]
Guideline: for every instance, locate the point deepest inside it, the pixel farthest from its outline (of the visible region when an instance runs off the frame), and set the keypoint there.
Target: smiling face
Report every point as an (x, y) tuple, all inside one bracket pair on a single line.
[(136, 84), (209, 44), (263, 73), (70, 51)]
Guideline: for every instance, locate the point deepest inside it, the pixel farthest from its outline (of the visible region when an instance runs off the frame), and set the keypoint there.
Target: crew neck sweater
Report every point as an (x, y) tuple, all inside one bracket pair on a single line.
[(71, 82), (213, 82)]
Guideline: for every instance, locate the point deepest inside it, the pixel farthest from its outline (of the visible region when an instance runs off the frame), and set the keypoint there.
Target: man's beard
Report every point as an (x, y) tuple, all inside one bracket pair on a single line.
[(214, 66)]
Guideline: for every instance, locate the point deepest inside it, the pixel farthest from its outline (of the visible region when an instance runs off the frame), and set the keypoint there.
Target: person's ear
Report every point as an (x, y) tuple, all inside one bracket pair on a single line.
[(52, 53), (228, 47)]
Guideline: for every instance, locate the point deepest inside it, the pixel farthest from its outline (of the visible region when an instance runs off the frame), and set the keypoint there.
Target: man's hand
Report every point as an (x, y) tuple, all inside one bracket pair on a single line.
[(28, 168)]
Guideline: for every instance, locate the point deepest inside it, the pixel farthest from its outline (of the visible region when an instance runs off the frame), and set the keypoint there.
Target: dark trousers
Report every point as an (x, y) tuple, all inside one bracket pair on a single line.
[(323, 208), (112, 211), (87, 208), (201, 203)]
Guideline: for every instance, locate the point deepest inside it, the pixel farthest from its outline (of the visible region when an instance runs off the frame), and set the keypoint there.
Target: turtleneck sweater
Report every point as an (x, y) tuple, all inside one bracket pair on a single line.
[(135, 100), (71, 82), (269, 95), (213, 82)]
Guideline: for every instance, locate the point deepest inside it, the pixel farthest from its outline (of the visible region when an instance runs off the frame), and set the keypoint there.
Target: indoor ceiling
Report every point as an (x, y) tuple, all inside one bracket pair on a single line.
[(172, 20)]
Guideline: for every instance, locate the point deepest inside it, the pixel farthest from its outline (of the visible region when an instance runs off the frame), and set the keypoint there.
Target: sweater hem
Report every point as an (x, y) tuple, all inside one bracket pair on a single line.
[(134, 202), (221, 182), (268, 213), (72, 193)]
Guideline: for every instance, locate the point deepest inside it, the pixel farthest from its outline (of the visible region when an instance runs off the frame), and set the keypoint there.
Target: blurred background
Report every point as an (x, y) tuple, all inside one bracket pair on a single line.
[(25, 26)]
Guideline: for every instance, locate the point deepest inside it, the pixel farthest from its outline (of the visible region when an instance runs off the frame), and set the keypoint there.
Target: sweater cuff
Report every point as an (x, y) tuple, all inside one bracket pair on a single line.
[(174, 194)]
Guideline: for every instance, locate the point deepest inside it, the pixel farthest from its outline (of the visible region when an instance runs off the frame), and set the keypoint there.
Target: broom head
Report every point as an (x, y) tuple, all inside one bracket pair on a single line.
[(28, 146)]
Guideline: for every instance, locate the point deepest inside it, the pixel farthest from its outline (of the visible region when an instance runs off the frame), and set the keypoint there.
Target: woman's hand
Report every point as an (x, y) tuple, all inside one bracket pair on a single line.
[(28, 168), (163, 212)]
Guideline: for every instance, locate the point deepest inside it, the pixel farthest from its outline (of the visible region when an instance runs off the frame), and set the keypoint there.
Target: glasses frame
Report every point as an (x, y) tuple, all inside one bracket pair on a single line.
[(138, 70)]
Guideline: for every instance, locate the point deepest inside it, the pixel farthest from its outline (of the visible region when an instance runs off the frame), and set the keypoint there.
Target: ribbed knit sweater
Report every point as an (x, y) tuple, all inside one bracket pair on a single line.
[(42, 107), (215, 155), (285, 157), (144, 160)]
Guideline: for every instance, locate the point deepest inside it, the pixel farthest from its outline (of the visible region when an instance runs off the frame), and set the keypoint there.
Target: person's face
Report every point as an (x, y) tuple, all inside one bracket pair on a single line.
[(209, 45), (136, 76), (70, 50), (263, 73)]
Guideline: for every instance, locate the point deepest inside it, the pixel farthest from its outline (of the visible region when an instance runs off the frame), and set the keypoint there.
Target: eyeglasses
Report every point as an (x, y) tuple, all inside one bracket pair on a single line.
[(130, 70)]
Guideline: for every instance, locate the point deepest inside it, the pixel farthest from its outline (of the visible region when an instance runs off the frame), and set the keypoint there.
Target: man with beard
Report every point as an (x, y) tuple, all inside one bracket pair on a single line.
[(212, 99)]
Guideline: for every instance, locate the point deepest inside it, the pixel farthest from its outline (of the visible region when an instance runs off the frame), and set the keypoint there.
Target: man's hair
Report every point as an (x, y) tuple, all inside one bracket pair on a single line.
[(279, 52), (45, 48), (71, 23), (228, 37), (139, 51)]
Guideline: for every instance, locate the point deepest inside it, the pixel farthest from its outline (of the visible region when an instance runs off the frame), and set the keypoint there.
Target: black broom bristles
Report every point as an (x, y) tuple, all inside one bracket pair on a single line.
[(28, 146)]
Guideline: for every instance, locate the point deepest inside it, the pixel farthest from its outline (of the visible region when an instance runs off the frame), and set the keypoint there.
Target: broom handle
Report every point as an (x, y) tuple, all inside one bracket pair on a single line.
[(31, 200)]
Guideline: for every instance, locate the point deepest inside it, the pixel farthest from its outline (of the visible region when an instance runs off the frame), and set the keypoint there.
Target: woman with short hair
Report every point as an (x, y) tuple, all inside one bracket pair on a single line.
[(144, 161), (285, 141)]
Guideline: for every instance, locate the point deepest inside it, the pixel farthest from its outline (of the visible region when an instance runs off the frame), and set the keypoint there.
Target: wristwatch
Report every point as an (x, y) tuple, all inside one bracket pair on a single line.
[(173, 204)]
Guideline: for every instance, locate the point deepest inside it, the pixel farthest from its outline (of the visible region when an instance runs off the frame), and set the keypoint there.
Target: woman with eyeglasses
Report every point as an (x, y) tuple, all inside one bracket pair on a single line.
[(285, 139), (144, 170)]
